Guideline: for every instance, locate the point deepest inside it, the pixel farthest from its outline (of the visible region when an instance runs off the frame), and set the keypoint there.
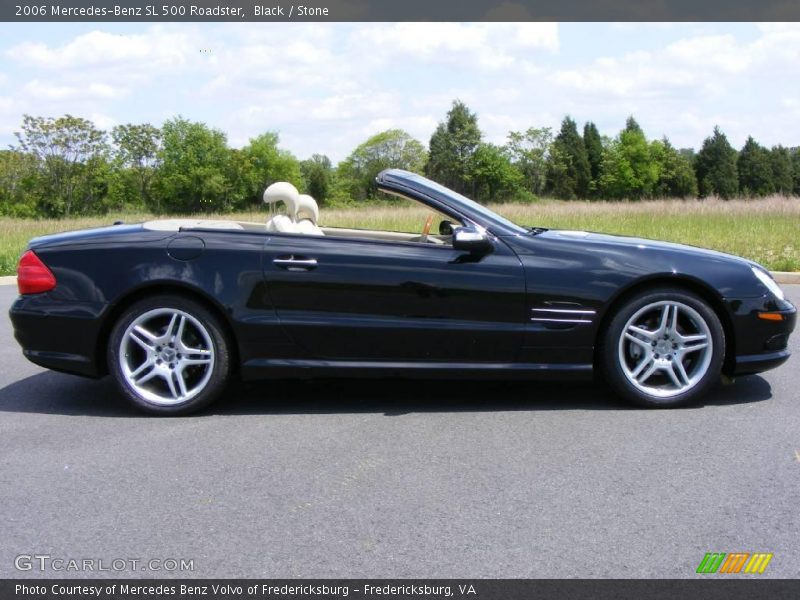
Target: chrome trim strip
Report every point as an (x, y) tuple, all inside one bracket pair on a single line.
[(306, 262), (561, 320), (571, 311)]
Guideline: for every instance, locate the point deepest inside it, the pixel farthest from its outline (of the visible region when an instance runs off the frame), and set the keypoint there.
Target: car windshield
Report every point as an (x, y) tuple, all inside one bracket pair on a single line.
[(489, 215)]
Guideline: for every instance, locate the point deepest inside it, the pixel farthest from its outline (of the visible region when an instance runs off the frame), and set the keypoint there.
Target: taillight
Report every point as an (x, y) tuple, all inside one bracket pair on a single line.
[(33, 276)]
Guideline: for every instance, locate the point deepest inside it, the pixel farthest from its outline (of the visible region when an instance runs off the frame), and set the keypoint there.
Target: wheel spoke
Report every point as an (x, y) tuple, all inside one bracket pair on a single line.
[(662, 327), (153, 372), (171, 384), (672, 327), (694, 348), (677, 365), (178, 374), (144, 338), (647, 360), (195, 356), (638, 341), (169, 333), (674, 376), (648, 372), (141, 368), (693, 342), (179, 329), (639, 332)]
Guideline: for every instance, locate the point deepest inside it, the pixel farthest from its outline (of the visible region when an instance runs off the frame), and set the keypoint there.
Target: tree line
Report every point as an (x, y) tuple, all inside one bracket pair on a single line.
[(67, 166)]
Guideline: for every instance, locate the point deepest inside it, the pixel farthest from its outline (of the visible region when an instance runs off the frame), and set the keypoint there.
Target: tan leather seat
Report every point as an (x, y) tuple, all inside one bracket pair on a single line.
[(282, 191), (307, 215)]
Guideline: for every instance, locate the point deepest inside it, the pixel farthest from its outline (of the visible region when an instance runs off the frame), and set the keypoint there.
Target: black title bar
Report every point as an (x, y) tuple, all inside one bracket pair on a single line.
[(399, 10), (711, 588)]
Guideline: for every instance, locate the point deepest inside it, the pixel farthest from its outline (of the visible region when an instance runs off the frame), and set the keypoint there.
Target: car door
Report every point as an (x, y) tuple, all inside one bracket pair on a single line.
[(361, 299)]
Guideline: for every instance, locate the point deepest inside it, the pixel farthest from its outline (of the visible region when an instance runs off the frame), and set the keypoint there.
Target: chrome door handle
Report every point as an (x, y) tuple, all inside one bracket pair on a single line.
[(295, 264)]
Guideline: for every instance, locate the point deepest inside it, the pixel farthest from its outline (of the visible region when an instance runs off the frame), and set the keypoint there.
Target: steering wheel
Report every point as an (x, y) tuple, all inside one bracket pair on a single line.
[(426, 229)]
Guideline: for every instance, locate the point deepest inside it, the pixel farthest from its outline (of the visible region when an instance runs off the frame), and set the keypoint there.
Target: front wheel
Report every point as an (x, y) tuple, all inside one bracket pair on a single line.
[(169, 355), (663, 348)]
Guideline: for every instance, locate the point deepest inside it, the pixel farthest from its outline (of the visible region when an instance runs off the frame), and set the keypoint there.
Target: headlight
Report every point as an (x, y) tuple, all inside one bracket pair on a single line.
[(768, 282)]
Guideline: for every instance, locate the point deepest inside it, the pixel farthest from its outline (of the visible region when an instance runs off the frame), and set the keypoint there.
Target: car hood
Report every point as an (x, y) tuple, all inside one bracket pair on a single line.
[(640, 243)]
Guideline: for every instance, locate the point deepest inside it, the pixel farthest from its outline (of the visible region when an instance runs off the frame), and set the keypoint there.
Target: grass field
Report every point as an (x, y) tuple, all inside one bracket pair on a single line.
[(766, 230)]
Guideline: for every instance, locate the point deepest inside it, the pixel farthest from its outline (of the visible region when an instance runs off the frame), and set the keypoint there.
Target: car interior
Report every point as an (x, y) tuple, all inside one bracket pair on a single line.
[(301, 216)]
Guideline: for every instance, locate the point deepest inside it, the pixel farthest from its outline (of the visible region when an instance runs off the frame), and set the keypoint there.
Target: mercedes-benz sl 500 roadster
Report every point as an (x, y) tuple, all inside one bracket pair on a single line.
[(173, 309)]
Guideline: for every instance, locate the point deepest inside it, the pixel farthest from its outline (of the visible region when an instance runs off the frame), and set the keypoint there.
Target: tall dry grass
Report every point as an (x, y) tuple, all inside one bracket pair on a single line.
[(765, 230)]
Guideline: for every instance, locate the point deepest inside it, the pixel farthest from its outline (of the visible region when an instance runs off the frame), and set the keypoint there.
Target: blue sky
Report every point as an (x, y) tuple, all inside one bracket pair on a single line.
[(327, 87)]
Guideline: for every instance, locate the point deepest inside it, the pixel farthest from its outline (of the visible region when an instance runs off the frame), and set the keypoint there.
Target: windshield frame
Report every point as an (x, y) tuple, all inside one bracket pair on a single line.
[(434, 193)]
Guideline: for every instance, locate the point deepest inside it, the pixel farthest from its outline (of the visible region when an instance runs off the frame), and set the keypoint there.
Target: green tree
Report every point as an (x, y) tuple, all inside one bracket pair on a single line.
[(194, 171), (594, 152), (393, 148), (18, 174), (137, 147), (451, 148), (632, 126), (318, 174), (70, 150), (676, 177), (631, 166), (715, 167), (796, 171), (569, 173), (494, 178), (242, 180), (781, 162), (266, 163), (528, 152), (754, 166)]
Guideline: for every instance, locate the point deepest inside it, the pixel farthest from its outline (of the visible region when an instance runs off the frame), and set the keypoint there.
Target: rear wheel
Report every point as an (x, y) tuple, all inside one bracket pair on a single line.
[(169, 355), (663, 348)]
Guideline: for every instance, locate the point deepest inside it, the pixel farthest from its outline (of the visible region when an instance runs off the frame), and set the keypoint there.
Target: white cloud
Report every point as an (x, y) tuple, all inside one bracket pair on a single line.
[(483, 45), (326, 87), (154, 49), (50, 91), (103, 121), (707, 62), (716, 51)]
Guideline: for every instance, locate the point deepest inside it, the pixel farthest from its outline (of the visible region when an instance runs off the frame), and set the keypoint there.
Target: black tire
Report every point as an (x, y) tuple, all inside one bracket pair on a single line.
[(210, 386), (610, 355)]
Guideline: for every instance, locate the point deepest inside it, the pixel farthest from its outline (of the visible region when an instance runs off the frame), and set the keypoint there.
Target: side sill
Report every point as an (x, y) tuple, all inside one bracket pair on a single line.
[(303, 368)]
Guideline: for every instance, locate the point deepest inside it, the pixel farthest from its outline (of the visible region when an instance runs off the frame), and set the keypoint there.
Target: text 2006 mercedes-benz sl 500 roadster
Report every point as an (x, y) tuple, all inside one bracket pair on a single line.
[(174, 308)]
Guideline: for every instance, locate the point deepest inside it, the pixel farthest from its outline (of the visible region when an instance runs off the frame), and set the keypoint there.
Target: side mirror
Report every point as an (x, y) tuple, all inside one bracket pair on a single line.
[(471, 239), (445, 227)]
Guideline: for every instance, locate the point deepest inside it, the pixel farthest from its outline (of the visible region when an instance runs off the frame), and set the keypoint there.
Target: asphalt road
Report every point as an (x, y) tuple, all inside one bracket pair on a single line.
[(399, 479)]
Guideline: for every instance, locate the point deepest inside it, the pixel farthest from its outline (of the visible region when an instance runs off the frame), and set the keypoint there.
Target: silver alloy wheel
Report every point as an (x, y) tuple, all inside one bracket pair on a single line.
[(166, 356), (665, 348)]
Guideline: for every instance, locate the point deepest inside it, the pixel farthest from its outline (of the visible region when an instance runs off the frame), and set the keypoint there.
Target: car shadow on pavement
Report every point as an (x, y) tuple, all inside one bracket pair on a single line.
[(55, 393)]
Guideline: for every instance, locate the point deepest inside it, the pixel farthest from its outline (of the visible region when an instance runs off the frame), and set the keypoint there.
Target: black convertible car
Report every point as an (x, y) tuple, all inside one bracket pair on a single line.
[(173, 309)]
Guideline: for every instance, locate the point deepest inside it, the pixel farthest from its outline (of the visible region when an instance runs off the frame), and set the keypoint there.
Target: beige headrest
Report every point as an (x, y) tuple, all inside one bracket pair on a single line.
[(283, 191), (307, 208)]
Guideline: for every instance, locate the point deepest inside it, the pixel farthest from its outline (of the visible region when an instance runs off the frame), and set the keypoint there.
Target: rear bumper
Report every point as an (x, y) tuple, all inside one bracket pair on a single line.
[(74, 364), (59, 336)]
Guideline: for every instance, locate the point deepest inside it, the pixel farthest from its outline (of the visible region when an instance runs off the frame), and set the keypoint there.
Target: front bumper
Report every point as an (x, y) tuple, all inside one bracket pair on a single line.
[(758, 363), (760, 344)]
